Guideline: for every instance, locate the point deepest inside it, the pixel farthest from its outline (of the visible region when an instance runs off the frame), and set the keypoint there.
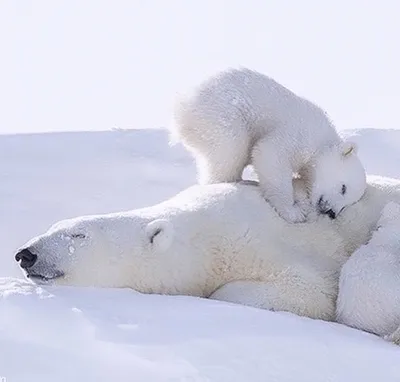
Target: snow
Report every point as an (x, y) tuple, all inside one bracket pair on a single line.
[(88, 334)]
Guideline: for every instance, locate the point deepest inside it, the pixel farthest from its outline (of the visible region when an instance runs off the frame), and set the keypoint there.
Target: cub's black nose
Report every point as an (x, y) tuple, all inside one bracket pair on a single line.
[(26, 257), (331, 214), (323, 207)]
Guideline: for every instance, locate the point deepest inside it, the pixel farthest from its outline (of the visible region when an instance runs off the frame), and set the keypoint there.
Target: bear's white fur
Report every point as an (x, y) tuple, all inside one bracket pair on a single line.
[(369, 286), (240, 117), (221, 241)]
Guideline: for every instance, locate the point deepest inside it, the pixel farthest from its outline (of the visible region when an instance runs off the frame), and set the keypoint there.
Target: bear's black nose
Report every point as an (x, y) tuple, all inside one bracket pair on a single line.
[(26, 257)]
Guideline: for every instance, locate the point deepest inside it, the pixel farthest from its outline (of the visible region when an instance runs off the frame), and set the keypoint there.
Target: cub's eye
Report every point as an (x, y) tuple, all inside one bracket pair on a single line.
[(78, 236), (344, 189)]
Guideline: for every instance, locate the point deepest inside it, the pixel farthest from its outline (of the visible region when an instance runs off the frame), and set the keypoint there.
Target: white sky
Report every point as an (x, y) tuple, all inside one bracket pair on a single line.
[(94, 65)]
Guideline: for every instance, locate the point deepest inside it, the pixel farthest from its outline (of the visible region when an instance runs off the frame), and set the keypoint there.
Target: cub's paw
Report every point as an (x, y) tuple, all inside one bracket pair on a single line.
[(308, 210), (312, 215), (293, 214), (305, 205)]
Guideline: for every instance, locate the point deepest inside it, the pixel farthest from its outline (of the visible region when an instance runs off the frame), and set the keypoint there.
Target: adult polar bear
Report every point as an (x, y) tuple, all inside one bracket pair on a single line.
[(221, 241)]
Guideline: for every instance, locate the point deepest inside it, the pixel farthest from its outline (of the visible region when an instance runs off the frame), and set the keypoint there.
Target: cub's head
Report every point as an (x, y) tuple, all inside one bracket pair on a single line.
[(103, 251), (338, 179)]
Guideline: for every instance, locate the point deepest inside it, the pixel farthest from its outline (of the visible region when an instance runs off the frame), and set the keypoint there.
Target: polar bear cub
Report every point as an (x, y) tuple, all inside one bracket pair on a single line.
[(369, 285), (240, 117)]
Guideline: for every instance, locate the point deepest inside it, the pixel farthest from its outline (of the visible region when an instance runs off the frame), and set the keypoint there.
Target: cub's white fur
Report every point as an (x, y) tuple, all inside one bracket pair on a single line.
[(369, 288), (240, 117)]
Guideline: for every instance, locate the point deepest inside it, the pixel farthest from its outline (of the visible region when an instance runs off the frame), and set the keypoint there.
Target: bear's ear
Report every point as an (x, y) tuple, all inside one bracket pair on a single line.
[(348, 148), (160, 233)]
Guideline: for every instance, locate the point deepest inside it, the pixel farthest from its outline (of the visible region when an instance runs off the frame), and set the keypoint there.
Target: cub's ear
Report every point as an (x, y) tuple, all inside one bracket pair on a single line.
[(348, 148), (160, 233)]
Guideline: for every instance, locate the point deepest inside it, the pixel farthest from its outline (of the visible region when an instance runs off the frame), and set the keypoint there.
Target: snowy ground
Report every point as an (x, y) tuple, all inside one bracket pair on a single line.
[(70, 334)]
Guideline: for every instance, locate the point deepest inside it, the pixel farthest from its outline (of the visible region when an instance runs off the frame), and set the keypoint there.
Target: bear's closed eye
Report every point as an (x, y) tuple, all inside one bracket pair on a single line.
[(78, 236)]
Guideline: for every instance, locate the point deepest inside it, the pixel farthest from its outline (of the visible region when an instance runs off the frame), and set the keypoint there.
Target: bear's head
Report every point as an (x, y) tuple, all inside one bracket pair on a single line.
[(104, 250), (338, 179)]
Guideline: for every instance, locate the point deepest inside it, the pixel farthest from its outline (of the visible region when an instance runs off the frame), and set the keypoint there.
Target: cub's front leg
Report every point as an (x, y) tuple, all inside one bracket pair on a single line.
[(275, 175)]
